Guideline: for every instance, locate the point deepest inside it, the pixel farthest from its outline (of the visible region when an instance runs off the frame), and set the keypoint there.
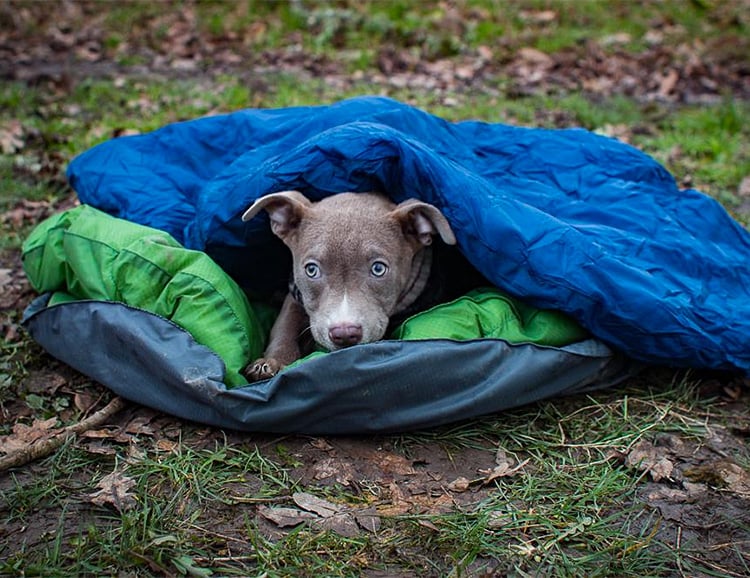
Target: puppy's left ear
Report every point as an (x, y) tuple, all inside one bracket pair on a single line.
[(423, 220)]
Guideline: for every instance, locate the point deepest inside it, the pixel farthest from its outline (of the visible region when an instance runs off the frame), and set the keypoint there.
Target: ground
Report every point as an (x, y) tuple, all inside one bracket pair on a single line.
[(651, 477)]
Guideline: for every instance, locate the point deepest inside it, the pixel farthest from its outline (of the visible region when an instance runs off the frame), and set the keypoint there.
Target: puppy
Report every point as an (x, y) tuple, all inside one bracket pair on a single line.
[(358, 260)]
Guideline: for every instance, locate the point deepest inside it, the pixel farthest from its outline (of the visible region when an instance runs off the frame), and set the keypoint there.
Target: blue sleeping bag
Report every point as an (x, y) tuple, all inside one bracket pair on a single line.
[(564, 219)]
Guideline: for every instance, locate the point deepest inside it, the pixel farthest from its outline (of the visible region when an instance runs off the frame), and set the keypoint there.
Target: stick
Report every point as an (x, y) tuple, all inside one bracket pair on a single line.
[(45, 447)]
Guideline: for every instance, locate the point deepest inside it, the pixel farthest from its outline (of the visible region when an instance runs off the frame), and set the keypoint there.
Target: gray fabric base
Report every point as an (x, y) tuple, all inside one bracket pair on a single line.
[(380, 387)]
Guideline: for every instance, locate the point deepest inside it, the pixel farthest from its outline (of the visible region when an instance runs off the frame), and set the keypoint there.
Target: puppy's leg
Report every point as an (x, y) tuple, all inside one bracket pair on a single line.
[(283, 345)]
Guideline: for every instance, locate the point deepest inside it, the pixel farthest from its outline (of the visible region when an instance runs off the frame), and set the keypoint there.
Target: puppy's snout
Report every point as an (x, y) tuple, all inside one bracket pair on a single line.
[(345, 335)]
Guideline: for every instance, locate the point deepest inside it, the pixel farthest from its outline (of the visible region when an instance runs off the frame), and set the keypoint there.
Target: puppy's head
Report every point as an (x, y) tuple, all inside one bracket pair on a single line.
[(354, 256)]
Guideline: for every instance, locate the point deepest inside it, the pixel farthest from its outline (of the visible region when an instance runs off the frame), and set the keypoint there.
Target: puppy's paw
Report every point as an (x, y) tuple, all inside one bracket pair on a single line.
[(260, 369)]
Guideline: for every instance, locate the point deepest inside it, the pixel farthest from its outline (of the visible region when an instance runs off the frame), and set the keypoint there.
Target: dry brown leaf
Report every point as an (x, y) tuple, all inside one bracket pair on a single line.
[(398, 502), (428, 524), (99, 448), (368, 519), (100, 434), (392, 463), (11, 137), (311, 503), (114, 490), (167, 445), (504, 470), (140, 426), (340, 470), (25, 435), (84, 401), (45, 382), (644, 456), (285, 517), (498, 519), (535, 57), (725, 474), (401, 503), (343, 524), (321, 444), (322, 515), (459, 485), (668, 83)]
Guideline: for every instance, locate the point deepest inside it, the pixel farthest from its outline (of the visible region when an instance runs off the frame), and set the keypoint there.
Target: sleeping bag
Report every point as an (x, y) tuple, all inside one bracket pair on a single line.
[(563, 222)]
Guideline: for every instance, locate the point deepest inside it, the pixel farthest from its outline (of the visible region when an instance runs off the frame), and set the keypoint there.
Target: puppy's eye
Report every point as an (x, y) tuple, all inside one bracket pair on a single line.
[(379, 269), (312, 270)]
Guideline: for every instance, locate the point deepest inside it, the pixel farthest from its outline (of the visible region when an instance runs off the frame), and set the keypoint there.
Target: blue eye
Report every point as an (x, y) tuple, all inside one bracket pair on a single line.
[(312, 270), (378, 269)]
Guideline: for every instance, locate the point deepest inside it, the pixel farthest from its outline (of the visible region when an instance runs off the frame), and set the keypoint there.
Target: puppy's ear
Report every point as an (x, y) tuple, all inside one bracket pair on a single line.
[(423, 221), (285, 210)]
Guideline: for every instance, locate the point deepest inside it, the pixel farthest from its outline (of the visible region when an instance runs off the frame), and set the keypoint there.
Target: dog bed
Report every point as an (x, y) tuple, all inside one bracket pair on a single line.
[(572, 229)]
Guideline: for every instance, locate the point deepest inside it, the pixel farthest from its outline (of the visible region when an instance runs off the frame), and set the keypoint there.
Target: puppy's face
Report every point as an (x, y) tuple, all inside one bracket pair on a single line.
[(354, 257)]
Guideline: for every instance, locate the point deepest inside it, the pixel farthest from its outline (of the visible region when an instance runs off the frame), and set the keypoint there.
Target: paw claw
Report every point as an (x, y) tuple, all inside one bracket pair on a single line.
[(261, 369)]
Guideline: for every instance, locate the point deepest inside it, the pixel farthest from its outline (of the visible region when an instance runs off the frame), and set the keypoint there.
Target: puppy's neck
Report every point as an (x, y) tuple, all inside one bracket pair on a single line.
[(420, 275)]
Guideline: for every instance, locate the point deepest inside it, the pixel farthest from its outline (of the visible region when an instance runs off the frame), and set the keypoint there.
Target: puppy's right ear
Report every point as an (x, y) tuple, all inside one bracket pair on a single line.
[(285, 210)]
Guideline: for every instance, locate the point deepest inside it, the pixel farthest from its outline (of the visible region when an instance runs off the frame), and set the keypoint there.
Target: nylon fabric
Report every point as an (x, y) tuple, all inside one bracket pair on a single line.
[(566, 220)]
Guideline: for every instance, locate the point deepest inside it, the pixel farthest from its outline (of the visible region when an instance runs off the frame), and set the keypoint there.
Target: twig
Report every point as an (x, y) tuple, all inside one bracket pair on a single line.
[(45, 447)]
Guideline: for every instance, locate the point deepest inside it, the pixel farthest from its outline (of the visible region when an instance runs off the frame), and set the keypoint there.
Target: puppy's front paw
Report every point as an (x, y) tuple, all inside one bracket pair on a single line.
[(260, 369)]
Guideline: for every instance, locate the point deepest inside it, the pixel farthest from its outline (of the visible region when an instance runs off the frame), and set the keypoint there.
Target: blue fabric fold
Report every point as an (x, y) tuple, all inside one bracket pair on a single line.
[(565, 219)]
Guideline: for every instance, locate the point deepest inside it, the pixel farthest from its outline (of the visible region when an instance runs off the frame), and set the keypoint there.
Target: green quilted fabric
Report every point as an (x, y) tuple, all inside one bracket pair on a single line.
[(87, 254)]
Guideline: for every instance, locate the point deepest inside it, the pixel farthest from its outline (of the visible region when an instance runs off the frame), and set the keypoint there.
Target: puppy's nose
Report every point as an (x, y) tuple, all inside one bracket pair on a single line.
[(345, 335)]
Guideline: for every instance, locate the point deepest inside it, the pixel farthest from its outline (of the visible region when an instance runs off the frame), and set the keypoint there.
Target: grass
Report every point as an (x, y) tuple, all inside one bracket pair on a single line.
[(572, 510), (193, 515)]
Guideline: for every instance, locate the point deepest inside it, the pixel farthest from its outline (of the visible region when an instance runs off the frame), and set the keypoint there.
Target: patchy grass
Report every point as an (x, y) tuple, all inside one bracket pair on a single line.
[(194, 500)]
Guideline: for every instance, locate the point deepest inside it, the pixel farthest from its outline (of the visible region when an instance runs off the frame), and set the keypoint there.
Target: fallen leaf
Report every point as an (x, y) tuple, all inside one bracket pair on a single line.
[(460, 484), (312, 503), (498, 519), (321, 444), (340, 470), (644, 456), (725, 474), (45, 382), (167, 445), (114, 490), (140, 426), (100, 433), (342, 524), (428, 524), (84, 401), (503, 471), (99, 448), (322, 515), (285, 517), (533, 56), (368, 519), (392, 463), (668, 83), (25, 435), (11, 137)]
